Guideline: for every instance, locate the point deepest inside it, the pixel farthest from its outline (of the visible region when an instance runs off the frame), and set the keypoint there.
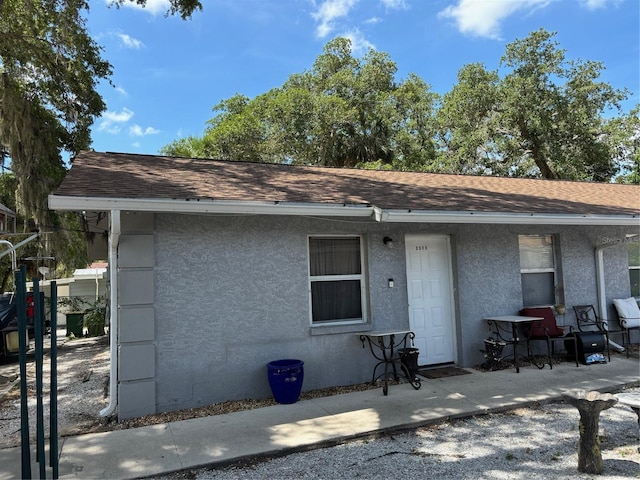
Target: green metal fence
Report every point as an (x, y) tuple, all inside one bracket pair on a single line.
[(36, 312)]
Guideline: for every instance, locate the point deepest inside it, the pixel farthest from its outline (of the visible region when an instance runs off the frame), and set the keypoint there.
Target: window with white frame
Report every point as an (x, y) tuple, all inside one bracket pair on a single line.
[(537, 270), (336, 279), (634, 268)]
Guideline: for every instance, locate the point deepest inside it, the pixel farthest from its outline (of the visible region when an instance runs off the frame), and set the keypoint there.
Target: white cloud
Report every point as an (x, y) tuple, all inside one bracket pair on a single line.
[(111, 121), (483, 18), (130, 42), (359, 44), (329, 11), (109, 128), (373, 20), (137, 131), (154, 7), (394, 4), (123, 116), (597, 4), (121, 91)]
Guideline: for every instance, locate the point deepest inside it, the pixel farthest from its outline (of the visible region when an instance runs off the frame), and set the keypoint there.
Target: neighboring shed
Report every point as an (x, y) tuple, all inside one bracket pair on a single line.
[(219, 267), (7, 220), (88, 284)]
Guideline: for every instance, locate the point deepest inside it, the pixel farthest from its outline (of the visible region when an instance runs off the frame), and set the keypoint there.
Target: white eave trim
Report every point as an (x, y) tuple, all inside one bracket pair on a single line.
[(208, 206), (330, 210), (425, 216)]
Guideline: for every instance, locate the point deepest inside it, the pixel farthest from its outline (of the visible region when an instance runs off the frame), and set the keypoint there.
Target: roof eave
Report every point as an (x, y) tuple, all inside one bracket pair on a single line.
[(198, 206), (70, 203), (425, 216)]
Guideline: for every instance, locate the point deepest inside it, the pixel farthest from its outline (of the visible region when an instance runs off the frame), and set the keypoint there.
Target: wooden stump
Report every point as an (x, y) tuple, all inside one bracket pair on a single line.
[(590, 404)]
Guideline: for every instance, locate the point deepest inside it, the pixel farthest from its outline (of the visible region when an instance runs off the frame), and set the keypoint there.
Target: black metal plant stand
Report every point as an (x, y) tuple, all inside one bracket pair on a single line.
[(383, 346), (493, 353)]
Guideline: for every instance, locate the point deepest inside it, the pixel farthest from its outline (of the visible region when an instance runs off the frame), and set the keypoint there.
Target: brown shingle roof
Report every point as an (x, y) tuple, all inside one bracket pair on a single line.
[(138, 177)]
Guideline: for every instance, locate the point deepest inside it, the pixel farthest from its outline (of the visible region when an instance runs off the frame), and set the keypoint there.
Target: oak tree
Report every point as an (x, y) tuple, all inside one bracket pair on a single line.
[(344, 111), (49, 70), (546, 117)]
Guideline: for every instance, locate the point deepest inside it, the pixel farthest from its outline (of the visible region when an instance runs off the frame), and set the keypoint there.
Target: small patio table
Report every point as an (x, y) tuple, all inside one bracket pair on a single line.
[(514, 321), (383, 346)]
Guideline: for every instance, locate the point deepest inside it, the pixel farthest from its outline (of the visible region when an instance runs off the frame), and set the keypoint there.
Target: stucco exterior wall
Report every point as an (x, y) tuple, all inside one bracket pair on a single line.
[(230, 293)]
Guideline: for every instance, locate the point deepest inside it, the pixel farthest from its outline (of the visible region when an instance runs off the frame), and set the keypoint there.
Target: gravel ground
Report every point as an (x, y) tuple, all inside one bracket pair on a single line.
[(527, 443), (83, 376)]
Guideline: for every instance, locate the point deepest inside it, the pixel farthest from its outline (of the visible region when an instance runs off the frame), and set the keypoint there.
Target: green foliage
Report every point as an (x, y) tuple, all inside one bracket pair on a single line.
[(466, 121), (344, 112), (545, 116), (48, 74), (184, 8), (49, 70), (93, 310), (623, 137)]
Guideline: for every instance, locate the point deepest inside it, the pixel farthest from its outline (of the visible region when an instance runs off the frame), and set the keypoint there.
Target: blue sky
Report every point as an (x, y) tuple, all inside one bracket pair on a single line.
[(169, 73)]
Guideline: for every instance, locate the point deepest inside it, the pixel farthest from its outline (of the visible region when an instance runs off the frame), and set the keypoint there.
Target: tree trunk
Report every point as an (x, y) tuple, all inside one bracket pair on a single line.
[(536, 151)]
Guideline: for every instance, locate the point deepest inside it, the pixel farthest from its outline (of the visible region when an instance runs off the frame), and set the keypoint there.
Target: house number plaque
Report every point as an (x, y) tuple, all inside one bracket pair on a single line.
[(421, 247)]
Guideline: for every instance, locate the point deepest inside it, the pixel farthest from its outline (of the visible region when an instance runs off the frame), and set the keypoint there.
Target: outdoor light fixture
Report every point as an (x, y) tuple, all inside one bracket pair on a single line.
[(388, 241)]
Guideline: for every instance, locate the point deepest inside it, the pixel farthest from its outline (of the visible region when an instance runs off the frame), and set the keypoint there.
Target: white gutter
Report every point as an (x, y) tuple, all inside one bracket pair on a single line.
[(114, 239), (427, 216), (330, 210), (209, 206), (600, 283)]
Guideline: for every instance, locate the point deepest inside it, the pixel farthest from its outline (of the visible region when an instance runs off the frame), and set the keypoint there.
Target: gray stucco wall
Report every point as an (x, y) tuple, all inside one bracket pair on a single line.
[(231, 294)]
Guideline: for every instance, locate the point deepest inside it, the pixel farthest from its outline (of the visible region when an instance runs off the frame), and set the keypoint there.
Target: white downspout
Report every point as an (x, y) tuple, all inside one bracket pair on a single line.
[(114, 240), (602, 299)]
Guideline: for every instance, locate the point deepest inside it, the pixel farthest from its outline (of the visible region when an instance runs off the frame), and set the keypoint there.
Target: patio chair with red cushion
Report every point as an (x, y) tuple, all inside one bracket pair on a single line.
[(547, 330)]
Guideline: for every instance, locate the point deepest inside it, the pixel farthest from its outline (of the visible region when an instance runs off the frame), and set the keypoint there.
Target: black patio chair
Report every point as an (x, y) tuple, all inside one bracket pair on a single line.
[(589, 321)]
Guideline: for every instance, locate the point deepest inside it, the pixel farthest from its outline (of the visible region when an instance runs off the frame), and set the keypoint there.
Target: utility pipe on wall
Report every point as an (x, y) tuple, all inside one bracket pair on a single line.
[(602, 298), (114, 240)]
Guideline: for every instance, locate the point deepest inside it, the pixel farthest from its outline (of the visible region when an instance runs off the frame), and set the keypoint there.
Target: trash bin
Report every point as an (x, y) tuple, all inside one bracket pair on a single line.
[(285, 379), (75, 322), (409, 358)]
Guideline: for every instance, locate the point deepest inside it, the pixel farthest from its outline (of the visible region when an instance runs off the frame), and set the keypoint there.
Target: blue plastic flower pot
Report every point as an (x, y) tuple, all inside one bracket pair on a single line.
[(285, 379)]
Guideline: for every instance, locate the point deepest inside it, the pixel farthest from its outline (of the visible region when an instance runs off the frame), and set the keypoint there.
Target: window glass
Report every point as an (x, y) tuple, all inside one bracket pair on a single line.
[(336, 279), (536, 252), (336, 300), (537, 269), (537, 289), (334, 256)]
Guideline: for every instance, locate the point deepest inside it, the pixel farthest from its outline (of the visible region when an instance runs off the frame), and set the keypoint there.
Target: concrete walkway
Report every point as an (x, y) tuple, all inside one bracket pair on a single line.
[(280, 429)]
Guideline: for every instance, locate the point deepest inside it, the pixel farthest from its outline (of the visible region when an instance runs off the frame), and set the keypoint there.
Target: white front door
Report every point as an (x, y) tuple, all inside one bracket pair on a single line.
[(430, 291)]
